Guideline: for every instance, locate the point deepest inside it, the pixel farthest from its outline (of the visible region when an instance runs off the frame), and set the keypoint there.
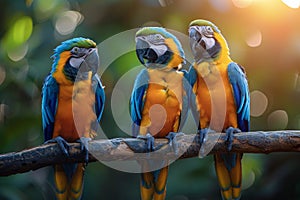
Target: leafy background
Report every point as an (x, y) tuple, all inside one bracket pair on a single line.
[(264, 37)]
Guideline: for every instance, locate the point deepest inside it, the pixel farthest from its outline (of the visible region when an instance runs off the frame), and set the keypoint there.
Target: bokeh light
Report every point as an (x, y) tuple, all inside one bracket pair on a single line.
[(254, 38), (18, 33), (258, 103), (45, 9), (3, 110), (242, 3), (278, 120), (297, 82), (297, 122), (220, 5), (163, 3), (19, 53), (67, 22), (2, 75), (292, 3), (22, 29), (248, 179)]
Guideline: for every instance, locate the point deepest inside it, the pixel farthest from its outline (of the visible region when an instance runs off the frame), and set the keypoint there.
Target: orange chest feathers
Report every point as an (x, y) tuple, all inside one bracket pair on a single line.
[(75, 111), (214, 96), (163, 103)]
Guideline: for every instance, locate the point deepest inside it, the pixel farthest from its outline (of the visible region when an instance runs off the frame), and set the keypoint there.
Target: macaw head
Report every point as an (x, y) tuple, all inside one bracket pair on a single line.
[(206, 41), (157, 48), (74, 59)]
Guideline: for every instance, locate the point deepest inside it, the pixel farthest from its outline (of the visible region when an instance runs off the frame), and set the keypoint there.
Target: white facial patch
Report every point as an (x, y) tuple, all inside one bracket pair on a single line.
[(209, 42), (76, 62), (159, 49), (207, 34)]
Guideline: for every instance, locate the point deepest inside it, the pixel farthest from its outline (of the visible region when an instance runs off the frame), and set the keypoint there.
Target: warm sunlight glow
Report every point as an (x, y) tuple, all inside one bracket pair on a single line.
[(292, 3), (242, 3), (264, 10)]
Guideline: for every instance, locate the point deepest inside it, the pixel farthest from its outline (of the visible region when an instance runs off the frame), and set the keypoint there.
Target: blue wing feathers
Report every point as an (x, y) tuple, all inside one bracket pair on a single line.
[(49, 105), (192, 77), (99, 96), (240, 88), (50, 99), (185, 99), (137, 100), (241, 95)]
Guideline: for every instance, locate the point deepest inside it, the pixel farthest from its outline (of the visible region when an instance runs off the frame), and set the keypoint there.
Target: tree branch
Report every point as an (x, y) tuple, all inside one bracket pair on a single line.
[(135, 149)]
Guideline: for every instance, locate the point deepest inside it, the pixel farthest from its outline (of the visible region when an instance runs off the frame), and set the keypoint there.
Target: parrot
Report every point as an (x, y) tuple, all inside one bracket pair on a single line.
[(159, 100), (212, 60), (72, 105)]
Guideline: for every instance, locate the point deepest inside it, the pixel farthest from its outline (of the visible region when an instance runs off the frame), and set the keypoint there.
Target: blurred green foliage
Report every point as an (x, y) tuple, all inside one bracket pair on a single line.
[(264, 37)]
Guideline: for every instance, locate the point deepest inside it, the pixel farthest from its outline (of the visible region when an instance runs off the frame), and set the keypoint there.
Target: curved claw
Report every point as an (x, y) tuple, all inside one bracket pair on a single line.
[(149, 141), (62, 143), (84, 146), (202, 134), (229, 136), (172, 137)]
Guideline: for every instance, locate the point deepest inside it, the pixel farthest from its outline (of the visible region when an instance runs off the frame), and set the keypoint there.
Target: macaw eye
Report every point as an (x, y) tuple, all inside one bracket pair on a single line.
[(157, 37), (209, 30), (75, 50)]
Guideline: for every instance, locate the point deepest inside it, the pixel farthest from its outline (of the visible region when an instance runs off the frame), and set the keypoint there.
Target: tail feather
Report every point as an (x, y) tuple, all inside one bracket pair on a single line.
[(61, 182), (147, 186), (153, 184), (76, 185), (229, 174), (69, 184)]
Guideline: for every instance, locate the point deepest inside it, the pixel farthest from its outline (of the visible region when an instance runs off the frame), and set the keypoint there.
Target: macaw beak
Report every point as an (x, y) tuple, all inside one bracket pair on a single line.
[(141, 48), (196, 38), (197, 44), (194, 35), (145, 52), (90, 62)]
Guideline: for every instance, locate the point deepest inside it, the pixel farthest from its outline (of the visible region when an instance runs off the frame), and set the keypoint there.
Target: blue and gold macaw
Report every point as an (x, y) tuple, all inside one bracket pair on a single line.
[(215, 74), (159, 101), (72, 105)]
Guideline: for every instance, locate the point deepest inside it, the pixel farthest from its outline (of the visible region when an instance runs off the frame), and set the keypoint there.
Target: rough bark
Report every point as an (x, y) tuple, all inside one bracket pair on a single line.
[(136, 149)]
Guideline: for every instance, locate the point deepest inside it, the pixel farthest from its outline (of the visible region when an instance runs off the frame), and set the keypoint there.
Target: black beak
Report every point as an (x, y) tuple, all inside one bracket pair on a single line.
[(91, 61), (194, 35), (197, 44), (141, 47), (143, 51), (195, 38)]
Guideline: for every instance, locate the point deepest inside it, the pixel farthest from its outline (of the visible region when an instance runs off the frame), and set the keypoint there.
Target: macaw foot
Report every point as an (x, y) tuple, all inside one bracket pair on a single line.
[(84, 146), (202, 134), (229, 136), (62, 143), (172, 137), (149, 141)]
